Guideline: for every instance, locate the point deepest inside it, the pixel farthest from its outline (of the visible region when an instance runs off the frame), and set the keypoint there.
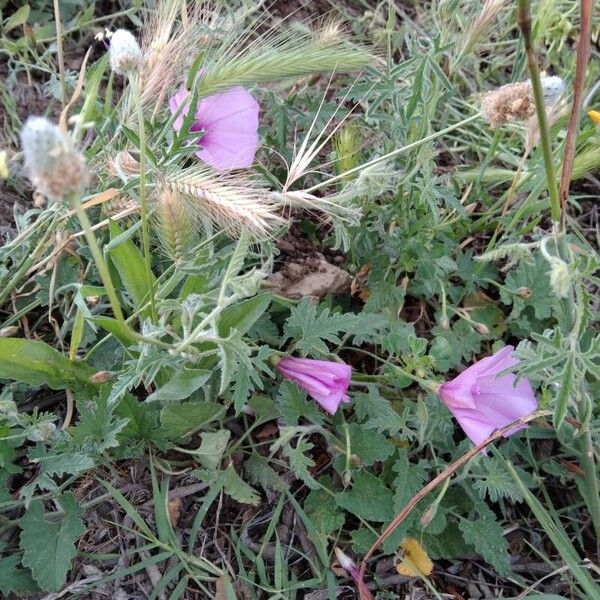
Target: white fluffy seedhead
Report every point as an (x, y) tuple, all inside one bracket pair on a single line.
[(54, 166), (125, 53)]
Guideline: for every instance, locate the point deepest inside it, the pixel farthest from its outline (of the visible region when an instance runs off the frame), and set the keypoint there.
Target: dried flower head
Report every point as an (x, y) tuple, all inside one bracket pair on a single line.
[(125, 53), (515, 102), (54, 166)]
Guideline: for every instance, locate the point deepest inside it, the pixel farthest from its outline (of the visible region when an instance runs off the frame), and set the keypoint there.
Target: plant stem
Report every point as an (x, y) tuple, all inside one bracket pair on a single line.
[(524, 21), (583, 56), (591, 477), (98, 259), (61, 56), (135, 90)]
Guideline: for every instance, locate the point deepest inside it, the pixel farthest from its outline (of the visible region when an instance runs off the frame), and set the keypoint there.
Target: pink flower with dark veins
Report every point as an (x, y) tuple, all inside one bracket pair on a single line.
[(325, 381), (229, 125), (482, 400)]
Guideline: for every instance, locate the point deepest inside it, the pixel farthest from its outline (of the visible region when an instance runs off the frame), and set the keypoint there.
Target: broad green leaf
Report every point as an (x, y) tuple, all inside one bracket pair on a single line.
[(300, 463), (14, 579), (486, 535), (311, 328), (243, 315), (181, 420), (130, 265), (259, 472), (37, 363), (293, 405), (368, 445), (235, 487), (325, 514), (120, 331), (49, 546), (92, 84), (212, 448), (231, 483), (19, 17), (180, 386), (368, 498)]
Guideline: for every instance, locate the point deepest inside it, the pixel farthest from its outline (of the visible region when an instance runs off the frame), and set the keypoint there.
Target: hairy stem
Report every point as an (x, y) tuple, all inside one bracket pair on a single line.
[(524, 21), (591, 477), (135, 90), (98, 258)]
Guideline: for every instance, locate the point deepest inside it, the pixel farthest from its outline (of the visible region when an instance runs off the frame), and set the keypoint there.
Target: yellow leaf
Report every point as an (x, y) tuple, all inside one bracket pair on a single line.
[(594, 115), (415, 561)]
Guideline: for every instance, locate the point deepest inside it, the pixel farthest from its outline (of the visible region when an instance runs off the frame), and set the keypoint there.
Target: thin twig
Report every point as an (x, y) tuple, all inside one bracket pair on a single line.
[(365, 594), (583, 56)]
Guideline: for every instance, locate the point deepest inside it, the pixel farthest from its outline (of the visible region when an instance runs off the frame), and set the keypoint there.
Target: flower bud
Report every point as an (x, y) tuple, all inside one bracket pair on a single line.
[(101, 377), (560, 278), (482, 328), (124, 54), (54, 166), (345, 561), (429, 515)]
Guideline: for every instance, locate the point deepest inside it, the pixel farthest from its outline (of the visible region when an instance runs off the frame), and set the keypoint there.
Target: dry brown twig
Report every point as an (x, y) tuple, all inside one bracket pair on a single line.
[(363, 591)]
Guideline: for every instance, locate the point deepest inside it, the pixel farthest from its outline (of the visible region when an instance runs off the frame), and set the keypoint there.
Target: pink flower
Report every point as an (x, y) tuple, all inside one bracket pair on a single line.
[(482, 401), (229, 122), (325, 381)]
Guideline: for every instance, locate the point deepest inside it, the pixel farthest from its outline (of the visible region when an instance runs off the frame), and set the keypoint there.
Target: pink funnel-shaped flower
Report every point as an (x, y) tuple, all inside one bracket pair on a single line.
[(325, 381), (229, 122), (482, 401)]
